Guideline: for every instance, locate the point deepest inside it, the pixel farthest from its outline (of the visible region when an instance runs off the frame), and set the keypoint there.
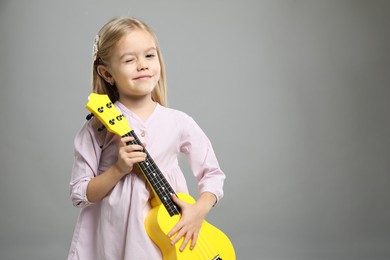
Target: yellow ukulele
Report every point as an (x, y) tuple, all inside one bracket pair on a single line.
[(212, 243)]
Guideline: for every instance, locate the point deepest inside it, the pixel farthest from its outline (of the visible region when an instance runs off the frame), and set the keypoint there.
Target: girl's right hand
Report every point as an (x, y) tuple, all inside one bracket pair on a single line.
[(129, 155)]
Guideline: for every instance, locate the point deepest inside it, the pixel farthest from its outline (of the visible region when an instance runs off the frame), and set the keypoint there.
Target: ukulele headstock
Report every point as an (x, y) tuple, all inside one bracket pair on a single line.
[(102, 108)]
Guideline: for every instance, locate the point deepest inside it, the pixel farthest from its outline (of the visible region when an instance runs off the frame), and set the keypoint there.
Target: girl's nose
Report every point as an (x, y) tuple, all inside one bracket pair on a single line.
[(142, 65)]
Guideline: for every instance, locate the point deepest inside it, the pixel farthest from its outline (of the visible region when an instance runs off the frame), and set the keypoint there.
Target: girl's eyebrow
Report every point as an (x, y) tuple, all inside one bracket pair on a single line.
[(151, 49), (133, 53)]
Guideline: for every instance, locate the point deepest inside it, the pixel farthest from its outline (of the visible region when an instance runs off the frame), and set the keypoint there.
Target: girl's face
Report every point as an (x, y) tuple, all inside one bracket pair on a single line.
[(134, 65)]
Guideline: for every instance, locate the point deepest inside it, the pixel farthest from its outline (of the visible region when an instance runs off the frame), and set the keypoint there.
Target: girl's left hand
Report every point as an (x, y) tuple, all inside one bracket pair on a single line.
[(192, 216)]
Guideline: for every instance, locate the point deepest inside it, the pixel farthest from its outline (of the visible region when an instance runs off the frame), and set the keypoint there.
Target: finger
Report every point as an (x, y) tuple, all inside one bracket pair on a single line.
[(185, 242), (127, 139), (175, 229), (178, 201), (126, 153), (179, 235), (132, 148), (133, 160), (135, 154), (194, 240)]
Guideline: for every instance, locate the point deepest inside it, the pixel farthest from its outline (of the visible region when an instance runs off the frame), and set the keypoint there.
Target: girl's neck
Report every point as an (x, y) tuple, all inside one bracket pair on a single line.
[(143, 107)]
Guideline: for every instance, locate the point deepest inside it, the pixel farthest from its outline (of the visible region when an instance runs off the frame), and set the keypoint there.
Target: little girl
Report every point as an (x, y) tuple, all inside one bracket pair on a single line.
[(113, 196)]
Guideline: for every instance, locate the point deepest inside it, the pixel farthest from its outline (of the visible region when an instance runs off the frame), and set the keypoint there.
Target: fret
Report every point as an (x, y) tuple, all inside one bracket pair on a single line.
[(157, 180)]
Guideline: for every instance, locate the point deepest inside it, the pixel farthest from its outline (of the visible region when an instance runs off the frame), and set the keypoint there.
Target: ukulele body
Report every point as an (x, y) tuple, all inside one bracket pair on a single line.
[(212, 243)]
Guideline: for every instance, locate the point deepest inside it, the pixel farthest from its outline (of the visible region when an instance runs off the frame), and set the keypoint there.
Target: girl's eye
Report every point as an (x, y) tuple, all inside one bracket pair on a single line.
[(150, 56), (129, 60)]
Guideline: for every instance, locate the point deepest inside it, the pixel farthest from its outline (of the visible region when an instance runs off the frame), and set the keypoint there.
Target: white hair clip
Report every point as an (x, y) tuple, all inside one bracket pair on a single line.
[(95, 47)]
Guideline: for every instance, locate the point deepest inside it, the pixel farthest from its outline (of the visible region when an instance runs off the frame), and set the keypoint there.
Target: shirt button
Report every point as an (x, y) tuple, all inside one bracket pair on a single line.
[(143, 133)]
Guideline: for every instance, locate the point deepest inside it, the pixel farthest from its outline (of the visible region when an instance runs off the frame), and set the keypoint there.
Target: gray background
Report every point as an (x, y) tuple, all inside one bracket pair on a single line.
[(294, 95)]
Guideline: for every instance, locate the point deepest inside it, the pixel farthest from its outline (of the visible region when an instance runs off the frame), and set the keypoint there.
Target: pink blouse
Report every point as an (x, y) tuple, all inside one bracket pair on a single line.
[(113, 228)]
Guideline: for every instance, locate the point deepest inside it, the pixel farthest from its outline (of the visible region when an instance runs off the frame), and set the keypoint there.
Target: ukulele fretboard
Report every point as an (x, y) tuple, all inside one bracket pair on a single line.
[(156, 179)]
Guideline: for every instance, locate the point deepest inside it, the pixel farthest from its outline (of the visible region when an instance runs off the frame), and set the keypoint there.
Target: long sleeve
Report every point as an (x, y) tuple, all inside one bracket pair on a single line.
[(202, 159), (87, 154)]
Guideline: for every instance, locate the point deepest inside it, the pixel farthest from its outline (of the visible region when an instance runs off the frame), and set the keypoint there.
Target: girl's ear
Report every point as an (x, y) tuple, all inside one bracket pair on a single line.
[(105, 74)]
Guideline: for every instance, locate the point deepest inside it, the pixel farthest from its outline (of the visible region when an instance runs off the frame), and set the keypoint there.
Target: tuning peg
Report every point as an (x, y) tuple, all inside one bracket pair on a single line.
[(101, 128), (89, 116)]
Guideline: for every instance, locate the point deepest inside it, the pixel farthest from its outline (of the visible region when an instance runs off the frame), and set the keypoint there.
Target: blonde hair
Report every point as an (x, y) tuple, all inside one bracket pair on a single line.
[(106, 40)]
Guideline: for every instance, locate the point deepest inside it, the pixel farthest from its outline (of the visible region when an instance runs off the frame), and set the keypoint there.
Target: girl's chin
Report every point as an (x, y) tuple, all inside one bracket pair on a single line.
[(136, 96)]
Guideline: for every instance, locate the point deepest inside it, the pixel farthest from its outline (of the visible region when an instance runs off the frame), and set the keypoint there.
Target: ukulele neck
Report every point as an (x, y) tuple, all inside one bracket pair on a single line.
[(156, 179)]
